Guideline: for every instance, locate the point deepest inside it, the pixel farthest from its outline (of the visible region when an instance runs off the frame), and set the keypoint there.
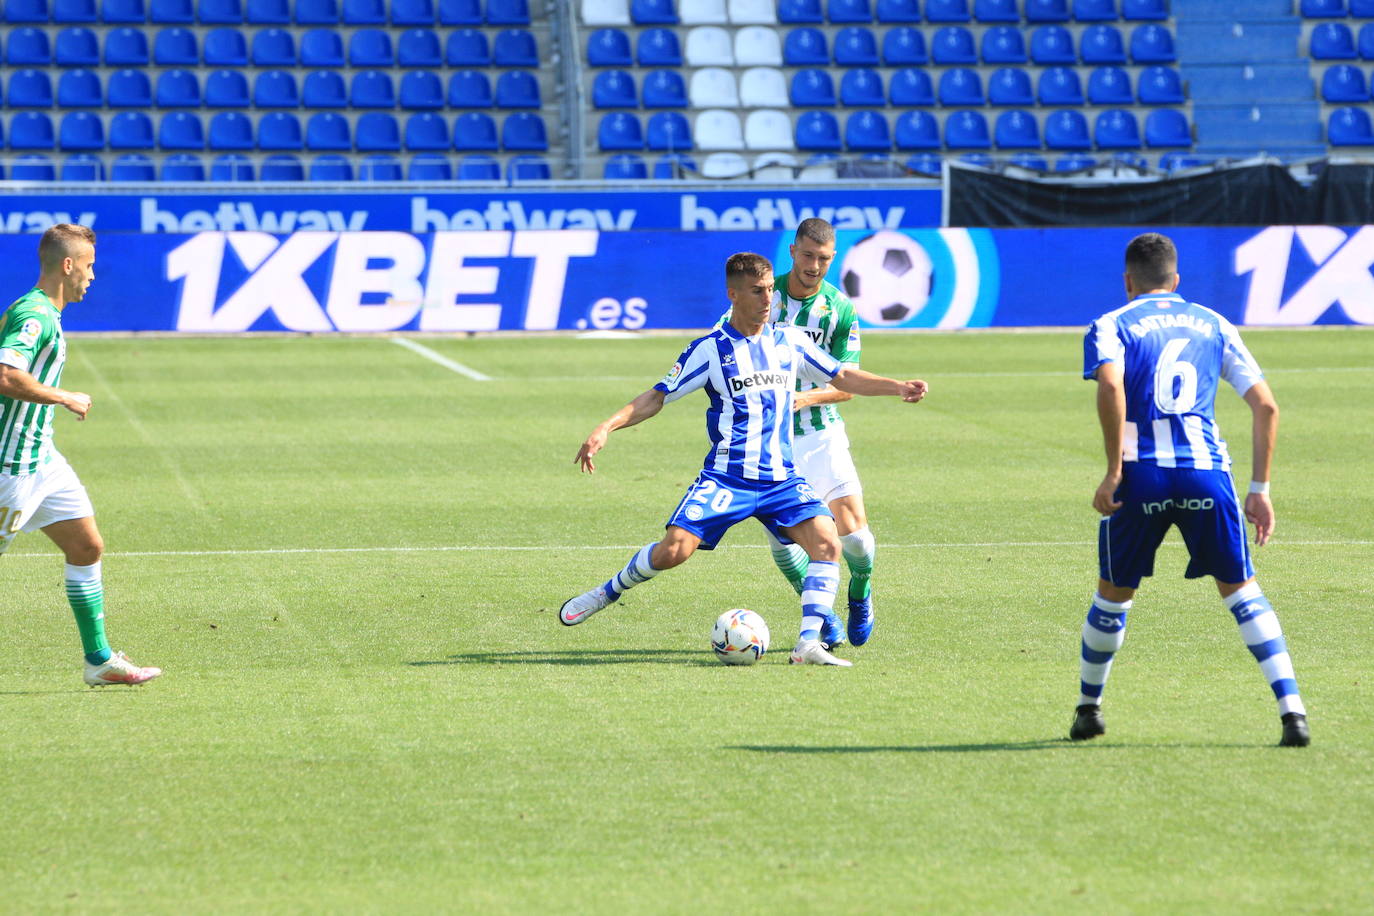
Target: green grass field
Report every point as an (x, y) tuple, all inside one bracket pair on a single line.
[(348, 559)]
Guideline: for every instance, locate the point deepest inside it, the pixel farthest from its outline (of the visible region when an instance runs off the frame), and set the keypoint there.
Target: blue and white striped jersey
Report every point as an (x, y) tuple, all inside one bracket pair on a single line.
[(1173, 352), (750, 382)]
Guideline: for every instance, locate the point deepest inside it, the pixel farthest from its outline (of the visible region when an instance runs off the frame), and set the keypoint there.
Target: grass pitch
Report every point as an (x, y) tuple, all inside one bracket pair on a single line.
[(349, 560)]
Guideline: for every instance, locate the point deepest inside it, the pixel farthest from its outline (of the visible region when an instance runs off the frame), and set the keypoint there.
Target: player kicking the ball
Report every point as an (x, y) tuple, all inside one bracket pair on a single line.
[(39, 491), (749, 369)]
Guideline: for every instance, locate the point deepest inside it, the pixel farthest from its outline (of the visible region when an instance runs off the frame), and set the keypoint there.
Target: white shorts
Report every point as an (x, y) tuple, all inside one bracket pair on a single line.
[(51, 494), (823, 459)]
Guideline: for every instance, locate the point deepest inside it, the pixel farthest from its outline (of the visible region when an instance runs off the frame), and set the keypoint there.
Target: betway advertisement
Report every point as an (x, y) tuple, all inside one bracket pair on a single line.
[(218, 281)]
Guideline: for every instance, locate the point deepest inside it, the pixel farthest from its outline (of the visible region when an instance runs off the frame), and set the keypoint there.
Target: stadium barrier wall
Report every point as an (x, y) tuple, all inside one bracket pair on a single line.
[(587, 279)]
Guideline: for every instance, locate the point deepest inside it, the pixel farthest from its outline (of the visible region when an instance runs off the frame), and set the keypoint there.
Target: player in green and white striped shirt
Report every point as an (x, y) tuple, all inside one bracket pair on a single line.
[(39, 491)]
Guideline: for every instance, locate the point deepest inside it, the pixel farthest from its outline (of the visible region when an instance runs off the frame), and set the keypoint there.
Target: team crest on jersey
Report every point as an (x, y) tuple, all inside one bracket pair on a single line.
[(673, 373), (728, 359), (805, 492), (821, 308), (694, 513), (29, 331)]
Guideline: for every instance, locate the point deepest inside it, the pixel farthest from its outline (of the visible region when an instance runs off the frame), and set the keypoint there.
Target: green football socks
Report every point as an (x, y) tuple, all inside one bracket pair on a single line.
[(86, 595)]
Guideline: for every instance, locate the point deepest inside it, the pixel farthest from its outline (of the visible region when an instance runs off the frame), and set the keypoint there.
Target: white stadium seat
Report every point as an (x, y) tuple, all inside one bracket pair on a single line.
[(763, 87), (702, 12), (605, 12), (724, 165), (758, 46), (713, 87), (768, 129), (753, 12), (709, 46), (781, 167), (717, 130), (819, 172)]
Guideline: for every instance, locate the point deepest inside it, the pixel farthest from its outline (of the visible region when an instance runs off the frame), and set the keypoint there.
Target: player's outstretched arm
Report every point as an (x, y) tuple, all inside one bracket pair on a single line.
[(637, 411), (1264, 411), (1111, 412), (857, 381), (20, 385), (815, 397)]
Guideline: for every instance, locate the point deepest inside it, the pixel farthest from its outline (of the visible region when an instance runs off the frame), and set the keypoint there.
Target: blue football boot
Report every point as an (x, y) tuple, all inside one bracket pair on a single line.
[(832, 634), (860, 620)]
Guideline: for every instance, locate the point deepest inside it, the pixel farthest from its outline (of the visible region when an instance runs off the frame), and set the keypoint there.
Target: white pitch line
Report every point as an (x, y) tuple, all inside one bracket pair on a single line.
[(439, 358), (934, 375)]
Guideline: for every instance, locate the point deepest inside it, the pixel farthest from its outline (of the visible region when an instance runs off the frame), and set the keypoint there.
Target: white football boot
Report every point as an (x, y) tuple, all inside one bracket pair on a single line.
[(811, 652), (118, 670), (576, 610)]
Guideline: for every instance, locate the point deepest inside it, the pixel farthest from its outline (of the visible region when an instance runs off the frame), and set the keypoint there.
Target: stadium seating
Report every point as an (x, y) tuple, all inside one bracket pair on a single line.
[(133, 167), (658, 48), (79, 47), (225, 47), (1102, 44), (812, 88), (219, 12), (79, 89), (817, 131), (759, 87), (31, 130), (377, 132), (471, 89), (911, 87), (517, 89), (427, 131), (74, 11), (709, 46), (479, 168), (371, 89), (474, 130), (467, 48), (322, 48), (379, 167), (1094, 10), (176, 47), (952, 45), (281, 167), (1059, 86), (324, 89), (1067, 129), (867, 131), (177, 89), (1047, 10), (663, 89), (460, 12), (861, 88), (180, 130), (1009, 86), (1003, 44), (1052, 44), (30, 88), (1347, 126), (28, 47), (623, 167), (904, 47), (668, 131), (81, 130), (122, 11), (1167, 127), (370, 48), (132, 130), (1030, 161), (996, 11), (1152, 44), (231, 167), (329, 130), (856, 46), (421, 89), (331, 167), (947, 11), (961, 86), (527, 167), (800, 11), (916, 130), (182, 167), (124, 47), (609, 48), (805, 47), (1017, 129), (767, 129), (757, 46), (514, 48), (967, 130), (1144, 9), (717, 129), (1341, 84), (1160, 85), (429, 167), (230, 130), (1115, 129), (1109, 86), (82, 167), (674, 165)]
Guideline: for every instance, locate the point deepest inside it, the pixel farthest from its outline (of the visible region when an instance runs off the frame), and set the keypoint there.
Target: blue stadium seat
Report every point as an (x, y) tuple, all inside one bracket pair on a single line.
[(518, 89), (322, 48), (1067, 129), (77, 46), (861, 87), (427, 131), (614, 89), (81, 130), (668, 130), (131, 130), (1152, 44), (412, 12), (855, 46), (329, 130), (1047, 10), (1010, 86), (419, 48), (79, 89), (364, 12), (180, 130), (898, 11), (474, 130), (524, 131), (1144, 9), (867, 131), (1167, 127), (331, 167), (812, 88), (1016, 129), (527, 167), (1116, 128), (122, 11), (1174, 161), (231, 167), (911, 87), (1341, 83), (421, 89), (470, 89), (508, 12), (1332, 41), (996, 11), (83, 167), (624, 167), (947, 11), (281, 167), (317, 12), (370, 48), (275, 89), (961, 86), (177, 89), (28, 47), (1347, 126), (479, 168), (1003, 44), (74, 11), (273, 48), (124, 47), (1029, 161), (1362, 9), (1052, 44), (176, 47), (982, 160), (904, 46), (916, 130), (1102, 44), (514, 48), (30, 88), (219, 12), (231, 130), (1094, 10), (1074, 162), (818, 131), (805, 47), (1160, 86), (183, 167), (609, 48), (324, 89), (172, 12), (226, 89), (664, 89), (795, 11), (268, 12), (1365, 42), (26, 11), (429, 167), (1109, 86), (460, 12), (953, 44), (843, 11), (377, 132), (133, 167), (1060, 86), (659, 48), (674, 165), (925, 163), (379, 167), (371, 89), (225, 47), (967, 130)]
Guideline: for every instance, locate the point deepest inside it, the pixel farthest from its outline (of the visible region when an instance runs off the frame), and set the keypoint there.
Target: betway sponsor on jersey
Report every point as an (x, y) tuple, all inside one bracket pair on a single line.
[(761, 381)]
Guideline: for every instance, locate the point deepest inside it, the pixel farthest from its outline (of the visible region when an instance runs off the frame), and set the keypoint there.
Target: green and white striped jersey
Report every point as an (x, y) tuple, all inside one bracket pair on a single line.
[(30, 339), (828, 319)]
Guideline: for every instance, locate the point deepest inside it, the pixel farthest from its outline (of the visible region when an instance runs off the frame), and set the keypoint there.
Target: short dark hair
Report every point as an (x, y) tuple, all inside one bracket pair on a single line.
[(817, 230), (60, 241), (1151, 261), (746, 264)]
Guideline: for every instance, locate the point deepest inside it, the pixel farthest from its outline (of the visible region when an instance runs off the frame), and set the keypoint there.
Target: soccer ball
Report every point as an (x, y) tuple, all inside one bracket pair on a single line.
[(888, 277), (739, 637)]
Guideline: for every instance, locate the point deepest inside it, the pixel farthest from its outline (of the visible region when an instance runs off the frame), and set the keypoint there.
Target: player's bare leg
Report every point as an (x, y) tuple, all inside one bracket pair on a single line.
[(858, 546), (818, 538)]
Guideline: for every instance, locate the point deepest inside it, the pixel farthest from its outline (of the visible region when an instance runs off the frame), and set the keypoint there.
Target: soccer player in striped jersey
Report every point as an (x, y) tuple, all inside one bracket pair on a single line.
[(1158, 361), (748, 369), (39, 491)]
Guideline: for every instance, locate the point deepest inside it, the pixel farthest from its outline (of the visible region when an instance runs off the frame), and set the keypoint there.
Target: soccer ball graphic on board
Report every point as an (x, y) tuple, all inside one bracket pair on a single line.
[(740, 637), (888, 276)]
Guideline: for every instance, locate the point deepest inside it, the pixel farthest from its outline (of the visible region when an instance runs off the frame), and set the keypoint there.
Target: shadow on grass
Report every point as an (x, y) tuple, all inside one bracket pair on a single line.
[(578, 657), (1046, 744)]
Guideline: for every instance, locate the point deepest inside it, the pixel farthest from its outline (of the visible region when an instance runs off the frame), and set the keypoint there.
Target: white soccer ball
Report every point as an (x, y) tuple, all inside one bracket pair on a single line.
[(888, 277), (740, 637)]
